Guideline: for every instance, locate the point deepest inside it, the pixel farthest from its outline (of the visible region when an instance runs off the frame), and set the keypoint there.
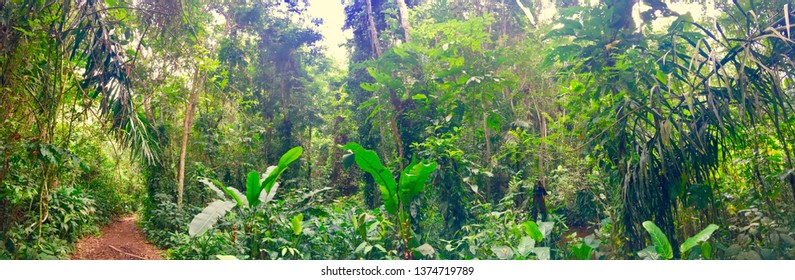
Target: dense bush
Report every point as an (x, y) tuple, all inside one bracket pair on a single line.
[(92, 190), (71, 216)]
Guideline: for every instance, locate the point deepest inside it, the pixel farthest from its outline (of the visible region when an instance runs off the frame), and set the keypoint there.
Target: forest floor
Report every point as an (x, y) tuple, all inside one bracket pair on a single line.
[(120, 240)]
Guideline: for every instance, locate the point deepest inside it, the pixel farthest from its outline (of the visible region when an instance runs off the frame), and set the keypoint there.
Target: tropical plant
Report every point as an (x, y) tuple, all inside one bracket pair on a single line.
[(501, 232), (258, 193), (397, 197), (662, 249)]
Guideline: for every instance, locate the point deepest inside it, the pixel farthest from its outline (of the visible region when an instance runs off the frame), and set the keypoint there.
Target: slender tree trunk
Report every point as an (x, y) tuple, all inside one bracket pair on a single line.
[(487, 136), (309, 156), (376, 47), (404, 19), (542, 131), (404, 23), (398, 140), (398, 104), (541, 148), (186, 126)]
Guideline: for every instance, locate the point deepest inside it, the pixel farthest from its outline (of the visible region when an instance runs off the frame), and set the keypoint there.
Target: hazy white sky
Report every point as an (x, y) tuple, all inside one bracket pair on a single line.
[(333, 14)]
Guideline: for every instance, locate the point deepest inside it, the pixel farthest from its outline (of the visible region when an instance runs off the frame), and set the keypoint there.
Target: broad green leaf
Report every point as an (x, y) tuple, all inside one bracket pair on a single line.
[(268, 180), (209, 216), (526, 246), (238, 196), (266, 197), (268, 172), (253, 189), (698, 238), (661, 244), (231, 192), (295, 223), (290, 156), (426, 250), (546, 228), (413, 178), (542, 253), (390, 200), (531, 228), (348, 159), (706, 250), (226, 257), (273, 173), (212, 187), (502, 252), (369, 162), (582, 251)]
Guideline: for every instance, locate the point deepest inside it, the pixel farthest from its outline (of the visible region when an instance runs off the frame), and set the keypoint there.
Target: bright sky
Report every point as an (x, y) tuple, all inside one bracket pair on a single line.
[(333, 14)]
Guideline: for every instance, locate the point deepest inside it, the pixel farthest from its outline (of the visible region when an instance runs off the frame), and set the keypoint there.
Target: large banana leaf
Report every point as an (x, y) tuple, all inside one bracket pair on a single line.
[(265, 197), (661, 244), (531, 228), (413, 178), (241, 199), (209, 216), (270, 177), (212, 187), (231, 192), (290, 156), (274, 172), (368, 161), (253, 188), (698, 238)]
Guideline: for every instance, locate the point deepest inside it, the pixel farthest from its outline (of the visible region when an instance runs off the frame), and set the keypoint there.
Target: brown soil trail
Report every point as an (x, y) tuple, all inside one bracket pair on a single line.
[(120, 240)]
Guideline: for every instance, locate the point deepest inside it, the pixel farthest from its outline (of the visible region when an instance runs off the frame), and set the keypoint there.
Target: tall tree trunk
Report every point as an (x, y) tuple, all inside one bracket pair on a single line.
[(398, 139), (541, 148), (399, 108), (376, 47), (309, 156), (542, 131), (404, 19), (186, 126)]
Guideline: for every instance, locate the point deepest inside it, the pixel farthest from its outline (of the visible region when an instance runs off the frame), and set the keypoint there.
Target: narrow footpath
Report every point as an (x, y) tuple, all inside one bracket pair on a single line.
[(121, 240)]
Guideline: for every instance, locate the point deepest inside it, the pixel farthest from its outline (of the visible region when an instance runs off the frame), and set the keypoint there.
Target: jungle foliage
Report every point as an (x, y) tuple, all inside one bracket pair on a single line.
[(659, 129)]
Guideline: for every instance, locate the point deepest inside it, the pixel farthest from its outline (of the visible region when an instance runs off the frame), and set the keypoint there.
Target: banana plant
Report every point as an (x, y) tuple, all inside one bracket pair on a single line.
[(662, 247), (259, 191), (396, 196)]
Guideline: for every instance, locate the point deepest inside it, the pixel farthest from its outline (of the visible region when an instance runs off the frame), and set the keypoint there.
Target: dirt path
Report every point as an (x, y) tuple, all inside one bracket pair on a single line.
[(120, 240)]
